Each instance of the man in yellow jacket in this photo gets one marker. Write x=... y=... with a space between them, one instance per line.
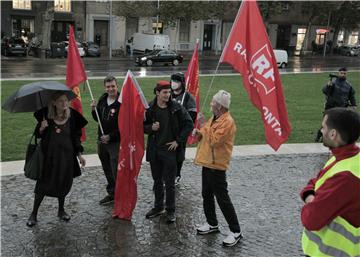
x=214 y=150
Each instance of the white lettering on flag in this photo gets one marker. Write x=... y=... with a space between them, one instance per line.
x=271 y=120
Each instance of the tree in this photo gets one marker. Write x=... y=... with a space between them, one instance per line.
x=48 y=18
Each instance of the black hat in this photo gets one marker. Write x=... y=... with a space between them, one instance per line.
x=343 y=69
x=178 y=77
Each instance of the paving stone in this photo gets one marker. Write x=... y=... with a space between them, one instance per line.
x=264 y=191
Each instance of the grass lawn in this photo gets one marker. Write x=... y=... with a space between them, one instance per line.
x=302 y=93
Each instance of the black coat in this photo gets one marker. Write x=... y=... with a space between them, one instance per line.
x=181 y=126
x=77 y=122
x=339 y=94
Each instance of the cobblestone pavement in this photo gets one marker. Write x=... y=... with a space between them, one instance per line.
x=264 y=190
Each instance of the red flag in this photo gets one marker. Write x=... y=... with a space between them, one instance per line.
x=130 y=120
x=75 y=74
x=192 y=85
x=249 y=51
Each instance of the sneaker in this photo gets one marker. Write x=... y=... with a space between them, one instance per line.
x=177 y=180
x=170 y=217
x=107 y=199
x=232 y=239
x=154 y=212
x=207 y=229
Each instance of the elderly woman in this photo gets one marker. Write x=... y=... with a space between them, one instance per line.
x=59 y=127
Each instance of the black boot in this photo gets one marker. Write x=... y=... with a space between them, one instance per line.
x=31 y=221
x=33 y=217
x=61 y=213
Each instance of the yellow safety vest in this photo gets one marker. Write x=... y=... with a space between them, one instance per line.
x=339 y=238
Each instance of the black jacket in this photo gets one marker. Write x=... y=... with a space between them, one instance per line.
x=109 y=118
x=340 y=94
x=181 y=125
x=189 y=103
x=77 y=122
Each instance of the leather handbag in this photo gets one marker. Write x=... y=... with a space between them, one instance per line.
x=34 y=159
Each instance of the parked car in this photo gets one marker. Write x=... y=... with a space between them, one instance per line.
x=80 y=48
x=161 y=56
x=13 y=46
x=349 y=50
x=91 y=49
x=281 y=57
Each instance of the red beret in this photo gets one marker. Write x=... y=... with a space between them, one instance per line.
x=162 y=84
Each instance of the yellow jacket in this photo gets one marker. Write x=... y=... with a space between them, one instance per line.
x=216 y=143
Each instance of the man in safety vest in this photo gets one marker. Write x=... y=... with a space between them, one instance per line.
x=331 y=214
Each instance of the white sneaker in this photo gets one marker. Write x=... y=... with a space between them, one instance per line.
x=207 y=229
x=232 y=239
x=177 y=180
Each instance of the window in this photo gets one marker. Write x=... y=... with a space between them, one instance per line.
x=22 y=27
x=353 y=38
x=300 y=38
x=184 y=31
x=22 y=4
x=62 y=5
x=157 y=27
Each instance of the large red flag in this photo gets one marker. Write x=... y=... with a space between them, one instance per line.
x=75 y=74
x=192 y=85
x=130 y=120
x=249 y=51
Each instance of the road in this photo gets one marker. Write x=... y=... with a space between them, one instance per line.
x=25 y=67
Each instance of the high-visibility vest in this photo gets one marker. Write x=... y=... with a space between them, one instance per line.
x=339 y=238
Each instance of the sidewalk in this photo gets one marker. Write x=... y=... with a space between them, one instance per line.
x=92 y=160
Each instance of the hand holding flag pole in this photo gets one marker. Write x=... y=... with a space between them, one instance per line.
x=96 y=111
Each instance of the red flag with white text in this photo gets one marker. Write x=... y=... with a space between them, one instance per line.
x=249 y=51
x=192 y=86
x=75 y=74
x=130 y=121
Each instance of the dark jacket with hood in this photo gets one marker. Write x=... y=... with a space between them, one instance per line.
x=339 y=94
x=181 y=126
x=77 y=122
x=109 y=118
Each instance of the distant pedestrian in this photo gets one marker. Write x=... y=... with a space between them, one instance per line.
x=108 y=108
x=59 y=127
x=213 y=154
x=339 y=93
x=186 y=99
x=331 y=213
x=98 y=39
x=168 y=125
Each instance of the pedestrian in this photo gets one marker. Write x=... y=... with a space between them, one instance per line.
x=59 y=128
x=168 y=125
x=186 y=99
x=339 y=93
x=108 y=108
x=214 y=150
x=98 y=39
x=331 y=213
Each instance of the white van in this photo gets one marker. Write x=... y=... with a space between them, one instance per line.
x=281 y=57
x=143 y=42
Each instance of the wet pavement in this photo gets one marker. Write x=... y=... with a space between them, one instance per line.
x=264 y=190
x=24 y=67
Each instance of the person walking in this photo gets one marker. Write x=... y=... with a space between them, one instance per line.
x=339 y=93
x=214 y=150
x=331 y=211
x=59 y=128
x=186 y=99
x=168 y=125
x=108 y=108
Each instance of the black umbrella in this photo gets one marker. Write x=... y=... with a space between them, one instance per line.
x=34 y=96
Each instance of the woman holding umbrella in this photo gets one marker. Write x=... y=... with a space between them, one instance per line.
x=59 y=127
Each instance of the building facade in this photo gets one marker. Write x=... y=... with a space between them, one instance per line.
x=98 y=21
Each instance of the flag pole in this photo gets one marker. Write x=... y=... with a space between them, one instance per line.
x=96 y=112
x=222 y=52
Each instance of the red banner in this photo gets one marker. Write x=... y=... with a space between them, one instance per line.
x=75 y=74
x=130 y=120
x=249 y=51
x=192 y=86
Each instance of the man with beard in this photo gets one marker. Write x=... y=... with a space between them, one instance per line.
x=331 y=214
x=339 y=93
x=168 y=125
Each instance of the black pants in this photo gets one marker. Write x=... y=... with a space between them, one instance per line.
x=214 y=184
x=108 y=155
x=178 y=168
x=163 y=170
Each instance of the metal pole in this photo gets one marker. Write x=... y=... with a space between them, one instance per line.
x=157 y=17
x=325 y=38
x=110 y=26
